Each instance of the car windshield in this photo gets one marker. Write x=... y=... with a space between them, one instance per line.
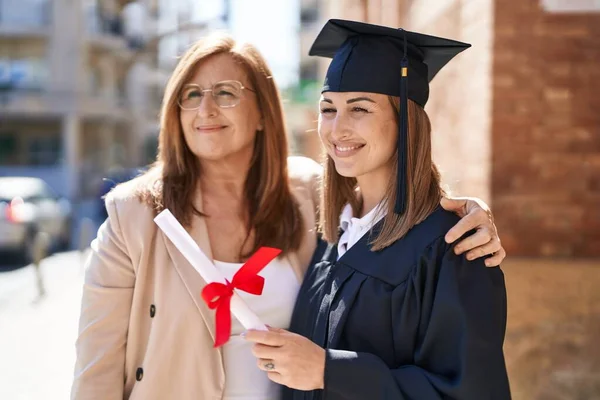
x=23 y=187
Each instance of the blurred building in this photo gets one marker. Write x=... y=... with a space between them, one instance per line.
x=301 y=100
x=75 y=90
x=515 y=118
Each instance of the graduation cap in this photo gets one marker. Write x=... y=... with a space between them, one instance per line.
x=379 y=59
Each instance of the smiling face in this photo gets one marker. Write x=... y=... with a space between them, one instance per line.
x=359 y=132
x=212 y=132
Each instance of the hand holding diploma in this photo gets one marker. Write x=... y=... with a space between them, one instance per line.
x=219 y=293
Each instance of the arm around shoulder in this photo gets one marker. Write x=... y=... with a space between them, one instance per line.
x=105 y=311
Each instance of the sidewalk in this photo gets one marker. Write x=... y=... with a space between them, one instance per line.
x=37 y=335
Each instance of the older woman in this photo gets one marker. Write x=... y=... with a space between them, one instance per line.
x=223 y=171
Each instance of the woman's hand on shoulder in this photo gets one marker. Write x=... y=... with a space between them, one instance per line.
x=475 y=215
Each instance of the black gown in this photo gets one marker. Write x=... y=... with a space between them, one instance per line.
x=413 y=321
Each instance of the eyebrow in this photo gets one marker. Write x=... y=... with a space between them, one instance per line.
x=353 y=100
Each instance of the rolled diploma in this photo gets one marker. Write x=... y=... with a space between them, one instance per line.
x=204 y=266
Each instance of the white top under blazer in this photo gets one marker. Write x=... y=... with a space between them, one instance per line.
x=243 y=379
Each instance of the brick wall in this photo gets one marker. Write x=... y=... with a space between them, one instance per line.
x=460 y=95
x=546 y=131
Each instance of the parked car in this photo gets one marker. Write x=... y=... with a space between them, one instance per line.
x=29 y=206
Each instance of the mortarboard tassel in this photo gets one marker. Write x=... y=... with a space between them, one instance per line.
x=401 y=191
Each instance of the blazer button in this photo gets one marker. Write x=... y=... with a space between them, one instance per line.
x=139 y=374
x=152 y=311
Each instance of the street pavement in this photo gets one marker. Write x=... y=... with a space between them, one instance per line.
x=37 y=334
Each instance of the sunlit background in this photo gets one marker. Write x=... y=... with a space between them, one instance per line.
x=516 y=121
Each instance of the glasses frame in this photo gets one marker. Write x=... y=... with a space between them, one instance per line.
x=242 y=87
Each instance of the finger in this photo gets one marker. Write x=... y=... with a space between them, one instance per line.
x=480 y=238
x=265 y=337
x=469 y=222
x=456 y=205
x=265 y=364
x=278 y=330
x=487 y=249
x=263 y=351
x=497 y=259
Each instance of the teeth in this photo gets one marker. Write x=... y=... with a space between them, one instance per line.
x=339 y=148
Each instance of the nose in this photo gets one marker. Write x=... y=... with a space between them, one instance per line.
x=208 y=108
x=339 y=127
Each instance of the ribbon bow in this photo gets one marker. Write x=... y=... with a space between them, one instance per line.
x=218 y=295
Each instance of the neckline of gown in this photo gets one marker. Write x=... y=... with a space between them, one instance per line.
x=361 y=258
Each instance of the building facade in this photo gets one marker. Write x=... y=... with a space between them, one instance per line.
x=74 y=90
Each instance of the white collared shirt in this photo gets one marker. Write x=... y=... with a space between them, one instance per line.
x=355 y=228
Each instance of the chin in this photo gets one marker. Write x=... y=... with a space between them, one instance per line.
x=347 y=171
x=212 y=155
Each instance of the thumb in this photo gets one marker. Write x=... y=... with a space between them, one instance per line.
x=455 y=205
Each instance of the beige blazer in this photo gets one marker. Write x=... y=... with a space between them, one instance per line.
x=144 y=332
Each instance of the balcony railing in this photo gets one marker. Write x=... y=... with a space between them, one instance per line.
x=31 y=102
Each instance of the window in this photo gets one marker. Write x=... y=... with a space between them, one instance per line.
x=22 y=73
x=309 y=15
x=44 y=150
x=31 y=13
x=4 y=73
x=150 y=150
x=8 y=148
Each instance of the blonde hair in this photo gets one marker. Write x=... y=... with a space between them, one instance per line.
x=423 y=179
x=274 y=218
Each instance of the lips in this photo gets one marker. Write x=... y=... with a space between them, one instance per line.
x=209 y=128
x=347 y=149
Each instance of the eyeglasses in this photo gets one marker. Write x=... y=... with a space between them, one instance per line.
x=226 y=94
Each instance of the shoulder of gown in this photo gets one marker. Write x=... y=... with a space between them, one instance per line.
x=424 y=243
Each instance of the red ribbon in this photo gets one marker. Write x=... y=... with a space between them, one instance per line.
x=218 y=295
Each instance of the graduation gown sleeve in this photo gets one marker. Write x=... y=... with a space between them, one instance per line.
x=460 y=309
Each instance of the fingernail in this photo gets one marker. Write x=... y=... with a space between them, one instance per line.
x=243 y=334
x=457 y=250
x=470 y=257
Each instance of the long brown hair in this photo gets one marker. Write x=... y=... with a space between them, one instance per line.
x=273 y=216
x=424 y=190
